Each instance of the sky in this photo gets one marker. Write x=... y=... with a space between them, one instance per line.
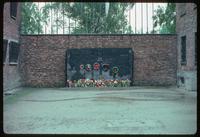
x=147 y=21
x=141 y=25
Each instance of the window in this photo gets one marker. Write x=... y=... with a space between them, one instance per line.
x=195 y=48
x=183 y=50
x=13 y=10
x=182 y=9
x=5 y=42
x=13 y=52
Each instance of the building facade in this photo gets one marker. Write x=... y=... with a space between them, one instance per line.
x=11 y=36
x=186 y=29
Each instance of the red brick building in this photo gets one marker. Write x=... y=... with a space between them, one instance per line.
x=186 y=29
x=11 y=27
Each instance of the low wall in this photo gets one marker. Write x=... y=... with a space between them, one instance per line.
x=42 y=57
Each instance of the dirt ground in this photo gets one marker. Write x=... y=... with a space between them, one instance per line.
x=143 y=110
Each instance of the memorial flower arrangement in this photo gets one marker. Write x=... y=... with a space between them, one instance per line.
x=88 y=67
x=98 y=83
x=96 y=66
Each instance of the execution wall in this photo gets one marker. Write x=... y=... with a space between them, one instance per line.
x=42 y=57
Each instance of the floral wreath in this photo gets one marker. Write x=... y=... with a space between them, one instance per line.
x=88 y=67
x=96 y=66
x=115 y=70
x=81 y=67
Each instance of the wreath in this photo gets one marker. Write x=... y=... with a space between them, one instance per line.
x=96 y=66
x=88 y=67
x=115 y=70
x=81 y=67
x=105 y=67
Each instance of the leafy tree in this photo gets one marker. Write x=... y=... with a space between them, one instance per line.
x=165 y=18
x=91 y=17
x=32 y=18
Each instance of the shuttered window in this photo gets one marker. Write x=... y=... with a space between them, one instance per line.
x=183 y=50
x=13 y=52
x=5 y=42
x=13 y=10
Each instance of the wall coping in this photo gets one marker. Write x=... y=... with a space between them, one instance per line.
x=98 y=34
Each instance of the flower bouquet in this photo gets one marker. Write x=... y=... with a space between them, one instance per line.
x=98 y=83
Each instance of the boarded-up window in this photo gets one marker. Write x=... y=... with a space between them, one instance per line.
x=13 y=9
x=5 y=42
x=13 y=52
x=183 y=50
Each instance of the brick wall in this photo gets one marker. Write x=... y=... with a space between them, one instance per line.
x=42 y=58
x=11 y=26
x=186 y=25
x=11 y=78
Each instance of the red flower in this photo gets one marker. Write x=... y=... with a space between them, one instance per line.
x=96 y=66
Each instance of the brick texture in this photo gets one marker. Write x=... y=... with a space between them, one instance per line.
x=42 y=58
x=11 y=78
x=186 y=25
x=11 y=26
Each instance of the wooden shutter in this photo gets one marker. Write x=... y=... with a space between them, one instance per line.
x=183 y=50
x=13 y=52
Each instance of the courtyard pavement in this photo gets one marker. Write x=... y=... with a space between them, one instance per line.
x=142 y=110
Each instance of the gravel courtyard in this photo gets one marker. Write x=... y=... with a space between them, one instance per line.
x=142 y=110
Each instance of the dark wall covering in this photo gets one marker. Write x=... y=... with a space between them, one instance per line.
x=105 y=63
x=42 y=58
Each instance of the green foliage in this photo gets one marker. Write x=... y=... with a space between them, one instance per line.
x=31 y=19
x=91 y=17
x=165 y=18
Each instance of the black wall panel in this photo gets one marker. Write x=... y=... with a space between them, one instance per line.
x=122 y=58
